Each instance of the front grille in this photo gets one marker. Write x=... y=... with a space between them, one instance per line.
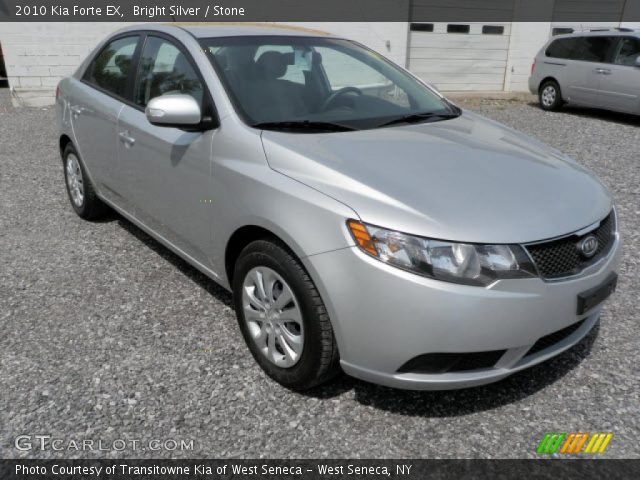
x=451 y=362
x=562 y=258
x=553 y=338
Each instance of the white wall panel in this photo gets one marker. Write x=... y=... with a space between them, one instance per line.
x=460 y=61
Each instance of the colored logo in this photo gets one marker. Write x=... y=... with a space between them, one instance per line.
x=574 y=443
x=588 y=246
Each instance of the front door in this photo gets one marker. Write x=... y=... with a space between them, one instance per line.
x=168 y=170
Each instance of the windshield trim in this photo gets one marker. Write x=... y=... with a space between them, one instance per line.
x=245 y=118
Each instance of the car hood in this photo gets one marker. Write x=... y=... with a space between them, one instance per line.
x=465 y=179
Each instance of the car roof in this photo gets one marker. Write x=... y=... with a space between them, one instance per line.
x=600 y=33
x=208 y=30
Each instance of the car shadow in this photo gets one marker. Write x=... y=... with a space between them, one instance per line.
x=599 y=114
x=185 y=268
x=446 y=403
x=454 y=403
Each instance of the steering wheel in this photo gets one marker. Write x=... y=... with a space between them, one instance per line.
x=331 y=98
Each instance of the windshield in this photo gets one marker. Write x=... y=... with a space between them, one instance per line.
x=323 y=84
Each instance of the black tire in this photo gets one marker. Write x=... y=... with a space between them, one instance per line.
x=91 y=207
x=319 y=360
x=550 y=96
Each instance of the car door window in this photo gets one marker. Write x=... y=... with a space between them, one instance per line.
x=561 y=48
x=592 y=49
x=627 y=51
x=164 y=69
x=110 y=69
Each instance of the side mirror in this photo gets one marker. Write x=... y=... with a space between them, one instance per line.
x=173 y=111
x=637 y=62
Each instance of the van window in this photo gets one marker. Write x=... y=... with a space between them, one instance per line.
x=586 y=49
x=627 y=51
x=592 y=49
x=561 y=48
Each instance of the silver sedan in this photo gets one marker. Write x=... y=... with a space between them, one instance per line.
x=361 y=220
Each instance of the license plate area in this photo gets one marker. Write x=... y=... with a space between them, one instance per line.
x=596 y=295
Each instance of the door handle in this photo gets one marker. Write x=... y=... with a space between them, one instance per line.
x=76 y=109
x=126 y=138
x=603 y=71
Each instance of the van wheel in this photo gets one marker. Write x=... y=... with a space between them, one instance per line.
x=550 y=96
x=83 y=197
x=282 y=317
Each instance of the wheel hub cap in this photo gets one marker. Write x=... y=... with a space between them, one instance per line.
x=273 y=316
x=74 y=180
x=548 y=96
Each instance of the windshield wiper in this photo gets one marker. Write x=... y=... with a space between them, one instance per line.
x=304 y=125
x=419 y=117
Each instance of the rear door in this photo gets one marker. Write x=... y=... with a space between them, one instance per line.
x=168 y=170
x=620 y=84
x=95 y=104
x=557 y=63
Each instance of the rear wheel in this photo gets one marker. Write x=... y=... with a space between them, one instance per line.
x=82 y=196
x=282 y=317
x=550 y=95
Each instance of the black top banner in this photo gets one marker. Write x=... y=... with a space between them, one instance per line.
x=319 y=10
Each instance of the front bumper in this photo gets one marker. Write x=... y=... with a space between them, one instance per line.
x=383 y=317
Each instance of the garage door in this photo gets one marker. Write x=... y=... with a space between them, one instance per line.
x=460 y=56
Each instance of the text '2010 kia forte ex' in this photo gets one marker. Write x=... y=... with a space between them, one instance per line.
x=360 y=219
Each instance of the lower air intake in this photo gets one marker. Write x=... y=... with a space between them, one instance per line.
x=451 y=362
x=553 y=338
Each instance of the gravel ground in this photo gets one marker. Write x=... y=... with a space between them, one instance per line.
x=107 y=335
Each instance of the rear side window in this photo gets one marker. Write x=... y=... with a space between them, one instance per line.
x=627 y=51
x=561 y=48
x=111 y=68
x=163 y=70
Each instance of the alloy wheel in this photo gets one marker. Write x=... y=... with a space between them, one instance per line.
x=273 y=316
x=74 y=180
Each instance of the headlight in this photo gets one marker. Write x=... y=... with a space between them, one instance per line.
x=466 y=263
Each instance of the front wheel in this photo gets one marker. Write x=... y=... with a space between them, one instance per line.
x=550 y=96
x=282 y=317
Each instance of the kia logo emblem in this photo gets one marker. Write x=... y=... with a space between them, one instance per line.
x=588 y=246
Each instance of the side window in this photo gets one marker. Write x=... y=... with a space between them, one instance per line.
x=561 y=48
x=111 y=68
x=627 y=51
x=592 y=49
x=163 y=70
